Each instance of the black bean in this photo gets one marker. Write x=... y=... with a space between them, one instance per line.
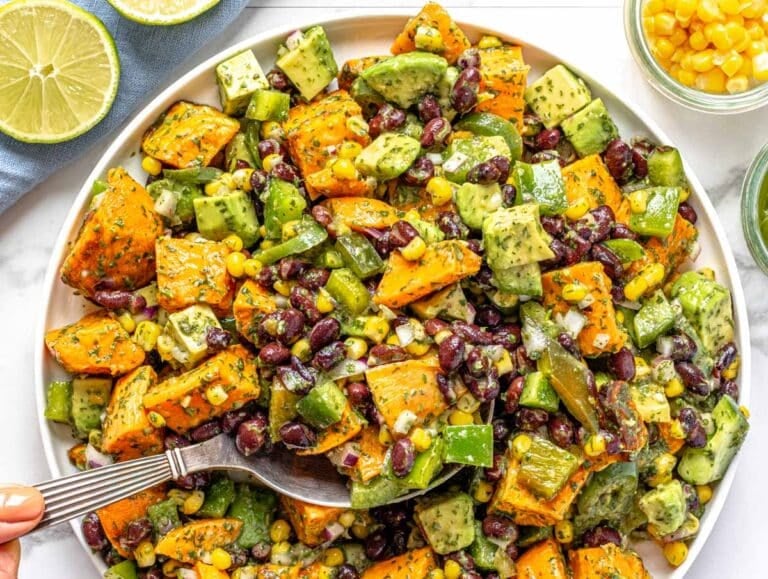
x=683 y=347
x=508 y=335
x=609 y=260
x=386 y=354
x=93 y=532
x=621 y=231
x=475 y=246
x=580 y=246
x=267 y=276
x=567 y=342
x=401 y=234
x=548 y=139
x=136 y=531
x=153 y=573
x=544 y=156
x=435 y=133
x=450 y=353
x=451 y=225
x=376 y=546
x=314 y=278
x=290 y=325
x=687 y=212
x=285 y=172
x=271 y=147
x=622 y=365
x=601 y=535
x=463 y=98
x=391 y=117
x=640 y=163
x=291 y=267
x=512 y=551
x=512 y=395
x=464 y=559
x=508 y=194
x=421 y=171
x=261 y=551
x=375 y=126
x=487 y=315
x=297 y=435
x=693 y=378
x=494 y=473
x=604 y=218
x=696 y=436
x=484 y=173
x=252 y=435
x=502 y=164
x=618 y=160
x=484 y=389
x=359 y=394
x=322 y=215
x=323 y=333
x=278 y=80
x=500 y=430
x=470 y=58
x=478 y=363
x=120 y=299
x=500 y=527
x=330 y=355
x=472 y=333
x=554 y=225
x=531 y=419
x=724 y=358
x=231 y=420
x=403 y=455
x=295 y=381
x=399 y=542
x=173 y=440
x=111 y=556
x=730 y=387
x=258 y=180
x=206 y=431
x=347 y=571
x=274 y=354
x=303 y=300
x=561 y=430
x=446 y=388
x=217 y=339
x=434 y=325
x=429 y=108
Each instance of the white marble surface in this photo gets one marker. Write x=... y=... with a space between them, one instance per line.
x=590 y=36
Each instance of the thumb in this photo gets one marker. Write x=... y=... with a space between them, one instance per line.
x=9 y=560
x=21 y=508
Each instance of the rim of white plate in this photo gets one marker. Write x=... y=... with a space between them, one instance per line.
x=159 y=103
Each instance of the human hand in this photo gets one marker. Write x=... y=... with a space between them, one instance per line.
x=21 y=508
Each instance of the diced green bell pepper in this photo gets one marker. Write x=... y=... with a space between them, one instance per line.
x=426 y=466
x=540 y=183
x=654 y=319
x=252 y=132
x=123 y=570
x=330 y=259
x=378 y=491
x=359 y=255
x=284 y=203
x=627 y=250
x=219 y=497
x=538 y=393
x=532 y=535
x=237 y=150
x=195 y=175
x=58 y=405
x=488 y=125
x=658 y=219
x=470 y=444
x=482 y=550
x=309 y=235
x=99 y=186
x=347 y=289
x=164 y=517
x=545 y=467
x=255 y=508
x=665 y=168
x=323 y=406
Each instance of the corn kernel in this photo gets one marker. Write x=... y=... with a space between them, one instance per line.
x=745 y=411
x=252 y=267
x=720 y=38
x=436 y=574
x=487 y=41
x=676 y=553
x=281 y=548
x=216 y=395
x=703 y=61
x=698 y=41
x=649 y=31
x=146 y=335
x=754 y=9
x=333 y=557
x=385 y=437
x=442 y=335
x=156 y=419
x=483 y=491
x=664 y=465
x=635 y=288
x=272 y=130
x=440 y=191
x=642 y=369
x=732 y=371
x=521 y=444
x=638 y=201
x=302 y=350
x=170 y=567
x=375 y=328
x=227 y=180
x=664 y=23
x=663 y=49
x=574 y=292
x=452 y=569
x=653 y=274
x=144 y=554
x=708 y=11
x=349 y=150
x=193 y=502
x=729 y=6
x=564 y=532
x=652 y=7
x=684 y=9
x=356 y=348
x=233 y=242
x=678 y=37
x=282 y=287
x=676 y=430
x=418 y=349
x=392 y=340
x=279 y=531
x=235 y=264
x=686 y=77
x=347 y=519
x=732 y=65
x=460 y=418
x=421 y=439
x=674 y=388
x=242 y=179
x=414 y=250
x=269 y=162
x=595 y=445
x=221 y=559
x=577 y=208
x=324 y=302
x=360 y=530
x=152 y=166
x=126 y=320
x=504 y=364
x=707 y=272
x=712 y=81
x=178 y=496
x=760 y=66
x=344 y=169
x=755 y=31
x=704 y=493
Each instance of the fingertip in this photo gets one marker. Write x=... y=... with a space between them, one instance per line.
x=10 y=554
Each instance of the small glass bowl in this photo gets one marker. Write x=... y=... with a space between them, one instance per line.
x=757 y=176
x=670 y=87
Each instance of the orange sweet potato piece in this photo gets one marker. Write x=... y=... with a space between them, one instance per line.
x=372 y=455
x=357 y=213
x=514 y=499
x=189 y=135
x=542 y=561
x=209 y=571
x=192 y=272
x=325 y=183
x=442 y=264
x=407 y=199
x=673 y=444
x=415 y=564
x=601 y=333
x=116 y=517
x=504 y=77
x=192 y=541
x=606 y=561
x=127 y=431
x=116 y=240
x=351 y=69
x=252 y=303
x=409 y=385
x=589 y=178
x=434 y=16
x=182 y=401
x=671 y=251
x=96 y=344
x=337 y=434
x=309 y=521
x=272 y=571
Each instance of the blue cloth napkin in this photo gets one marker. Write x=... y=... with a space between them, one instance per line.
x=147 y=55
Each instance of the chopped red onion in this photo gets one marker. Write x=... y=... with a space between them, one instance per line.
x=333 y=532
x=96 y=459
x=347 y=368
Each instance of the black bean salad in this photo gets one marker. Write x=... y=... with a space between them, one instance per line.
x=418 y=261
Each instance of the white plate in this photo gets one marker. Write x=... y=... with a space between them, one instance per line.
x=355 y=37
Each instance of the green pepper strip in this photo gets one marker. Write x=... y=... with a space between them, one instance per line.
x=310 y=235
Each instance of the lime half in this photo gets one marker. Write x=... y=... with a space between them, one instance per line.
x=162 y=12
x=59 y=70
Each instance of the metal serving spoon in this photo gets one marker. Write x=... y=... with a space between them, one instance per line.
x=311 y=479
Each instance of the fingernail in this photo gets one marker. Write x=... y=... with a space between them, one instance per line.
x=19 y=503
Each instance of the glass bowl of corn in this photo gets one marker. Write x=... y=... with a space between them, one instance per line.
x=708 y=55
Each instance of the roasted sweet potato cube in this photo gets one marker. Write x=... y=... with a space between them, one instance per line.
x=671 y=251
x=116 y=242
x=193 y=272
x=189 y=135
x=407 y=386
x=606 y=561
x=415 y=564
x=309 y=521
x=589 y=178
x=252 y=303
x=337 y=434
x=96 y=344
x=357 y=213
x=372 y=454
x=433 y=16
x=195 y=540
x=197 y=396
x=127 y=431
x=543 y=560
x=324 y=183
x=116 y=517
x=504 y=75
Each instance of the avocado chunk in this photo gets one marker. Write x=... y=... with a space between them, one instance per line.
x=236 y=151
x=178 y=199
x=224 y=214
x=651 y=402
x=368 y=99
x=238 y=78
x=658 y=218
x=475 y=202
x=539 y=393
x=514 y=236
x=665 y=507
x=449 y=303
x=627 y=250
x=284 y=203
x=540 y=183
x=405 y=78
x=504 y=300
x=489 y=125
x=123 y=570
x=483 y=551
x=546 y=467
x=556 y=95
x=90 y=397
x=323 y=406
x=378 y=491
x=428 y=231
x=707 y=305
x=58 y=404
x=447 y=522
x=388 y=156
x=164 y=515
x=268 y=105
x=591 y=129
x=654 y=319
x=347 y=289
x=185 y=334
x=520 y=280
x=426 y=466
x=665 y=168
x=470 y=444
x=463 y=154
x=700 y=466
x=310 y=65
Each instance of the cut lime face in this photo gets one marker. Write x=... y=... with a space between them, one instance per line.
x=59 y=70
x=162 y=12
